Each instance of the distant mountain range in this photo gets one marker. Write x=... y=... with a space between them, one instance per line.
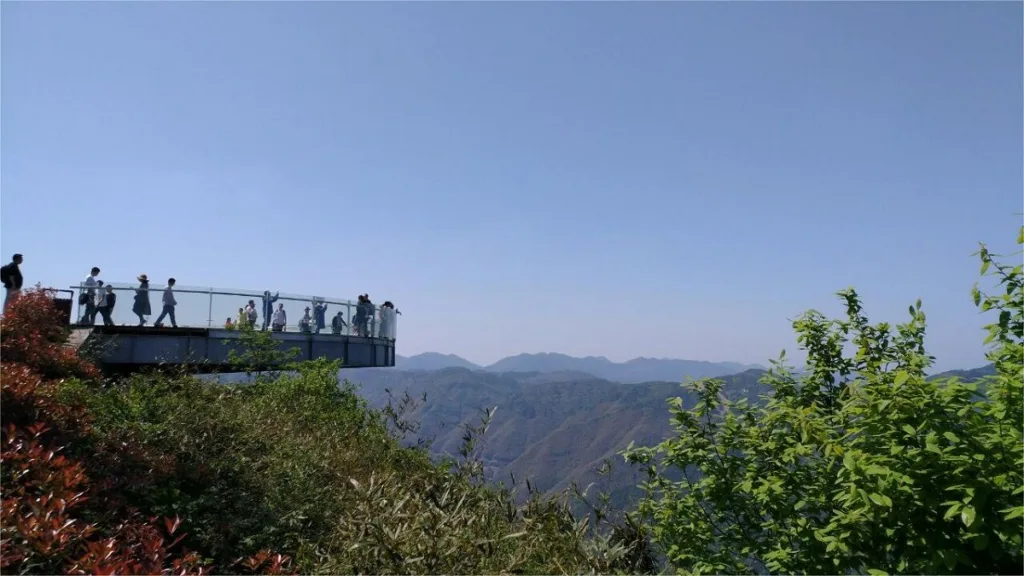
x=550 y=427
x=557 y=423
x=633 y=371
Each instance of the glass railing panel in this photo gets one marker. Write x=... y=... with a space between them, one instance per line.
x=135 y=306
x=287 y=308
x=198 y=307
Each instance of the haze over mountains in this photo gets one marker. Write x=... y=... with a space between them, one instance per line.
x=633 y=371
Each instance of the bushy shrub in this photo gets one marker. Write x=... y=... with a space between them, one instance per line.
x=63 y=508
x=860 y=465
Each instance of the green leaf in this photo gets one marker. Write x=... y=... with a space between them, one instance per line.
x=896 y=449
x=877 y=572
x=881 y=500
x=952 y=511
x=984 y=266
x=1020 y=236
x=976 y=294
x=951 y=437
x=909 y=429
x=901 y=377
x=967 y=515
x=849 y=461
x=1015 y=512
x=799 y=505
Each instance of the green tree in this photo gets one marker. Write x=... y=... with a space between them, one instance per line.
x=861 y=464
x=259 y=353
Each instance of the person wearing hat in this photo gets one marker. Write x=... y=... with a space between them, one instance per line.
x=305 y=322
x=141 y=307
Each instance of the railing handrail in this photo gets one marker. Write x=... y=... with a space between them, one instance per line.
x=216 y=292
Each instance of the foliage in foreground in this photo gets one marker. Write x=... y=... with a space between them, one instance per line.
x=164 y=473
x=63 y=509
x=860 y=465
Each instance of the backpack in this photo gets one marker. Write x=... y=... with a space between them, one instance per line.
x=5 y=274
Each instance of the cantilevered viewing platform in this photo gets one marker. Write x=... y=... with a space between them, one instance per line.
x=359 y=337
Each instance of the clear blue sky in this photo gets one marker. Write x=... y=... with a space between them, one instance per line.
x=619 y=179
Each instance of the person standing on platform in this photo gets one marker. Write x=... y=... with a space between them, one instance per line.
x=319 y=315
x=12 y=279
x=141 y=306
x=268 y=307
x=106 y=305
x=88 y=297
x=251 y=314
x=305 y=322
x=280 y=319
x=338 y=323
x=169 y=304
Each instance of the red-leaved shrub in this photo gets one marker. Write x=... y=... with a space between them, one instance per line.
x=32 y=333
x=62 y=513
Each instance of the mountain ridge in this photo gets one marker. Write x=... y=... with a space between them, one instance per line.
x=634 y=371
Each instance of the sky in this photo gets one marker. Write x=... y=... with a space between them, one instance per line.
x=619 y=179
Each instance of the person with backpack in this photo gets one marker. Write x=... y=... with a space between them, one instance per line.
x=88 y=297
x=12 y=279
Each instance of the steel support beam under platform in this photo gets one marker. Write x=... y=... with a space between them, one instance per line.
x=126 y=349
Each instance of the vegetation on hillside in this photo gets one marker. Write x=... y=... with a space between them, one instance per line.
x=862 y=464
x=168 y=473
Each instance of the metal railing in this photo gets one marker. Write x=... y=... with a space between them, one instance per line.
x=195 y=307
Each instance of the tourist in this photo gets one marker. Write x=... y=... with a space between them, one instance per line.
x=251 y=314
x=280 y=321
x=305 y=322
x=268 y=307
x=320 y=314
x=88 y=297
x=141 y=307
x=106 y=305
x=338 y=323
x=12 y=279
x=169 y=304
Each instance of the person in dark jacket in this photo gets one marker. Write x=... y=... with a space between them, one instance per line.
x=338 y=323
x=268 y=307
x=106 y=306
x=12 y=279
x=369 y=323
x=319 y=315
x=141 y=307
x=361 y=318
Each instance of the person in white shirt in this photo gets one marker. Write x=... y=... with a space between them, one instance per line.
x=280 y=319
x=169 y=304
x=251 y=313
x=101 y=297
x=88 y=297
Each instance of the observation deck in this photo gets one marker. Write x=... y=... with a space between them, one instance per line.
x=203 y=339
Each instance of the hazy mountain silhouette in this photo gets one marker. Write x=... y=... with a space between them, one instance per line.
x=433 y=361
x=633 y=371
